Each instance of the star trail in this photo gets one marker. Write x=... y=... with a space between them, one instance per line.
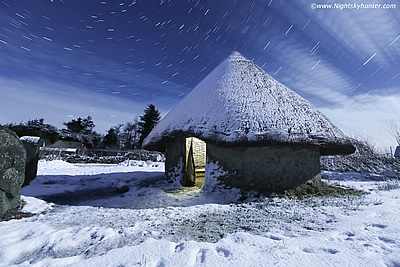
x=109 y=59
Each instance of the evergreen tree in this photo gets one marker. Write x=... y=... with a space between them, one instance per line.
x=81 y=130
x=35 y=122
x=80 y=125
x=147 y=122
x=88 y=125
x=111 y=138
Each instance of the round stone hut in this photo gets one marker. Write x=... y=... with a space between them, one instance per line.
x=240 y=127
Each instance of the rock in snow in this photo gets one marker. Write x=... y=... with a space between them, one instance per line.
x=12 y=169
x=122 y=187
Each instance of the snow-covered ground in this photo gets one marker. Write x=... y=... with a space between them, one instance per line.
x=83 y=221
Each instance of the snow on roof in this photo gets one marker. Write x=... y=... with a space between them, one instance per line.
x=30 y=139
x=239 y=103
x=74 y=150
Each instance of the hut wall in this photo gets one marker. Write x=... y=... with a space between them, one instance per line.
x=397 y=152
x=174 y=162
x=264 y=169
x=199 y=151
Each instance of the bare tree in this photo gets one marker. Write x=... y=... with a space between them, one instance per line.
x=395 y=131
x=118 y=132
x=130 y=132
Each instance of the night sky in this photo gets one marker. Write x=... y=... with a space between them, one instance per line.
x=61 y=59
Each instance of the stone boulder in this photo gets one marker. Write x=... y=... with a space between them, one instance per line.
x=122 y=187
x=12 y=169
x=31 y=144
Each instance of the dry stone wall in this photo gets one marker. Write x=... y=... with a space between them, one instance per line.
x=199 y=151
x=265 y=169
x=31 y=145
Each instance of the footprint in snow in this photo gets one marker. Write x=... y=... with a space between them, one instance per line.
x=276 y=238
x=161 y=263
x=309 y=250
x=179 y=247
x=330 y=250
x=349 y=235
x=377 y=225
x=386 y=240
x=327 y=250
x=223 y=252
x=201 y=256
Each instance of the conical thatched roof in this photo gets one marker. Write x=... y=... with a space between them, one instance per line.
x=240 y=104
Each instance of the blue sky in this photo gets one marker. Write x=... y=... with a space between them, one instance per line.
x=109 y=59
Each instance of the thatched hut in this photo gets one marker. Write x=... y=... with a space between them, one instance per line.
x=242 y=128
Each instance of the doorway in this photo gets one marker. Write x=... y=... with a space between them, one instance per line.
x=195 y=164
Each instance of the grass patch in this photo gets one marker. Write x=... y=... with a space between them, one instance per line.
x=22 y=203
x=323 y=190
x=16 y=213
x=389 y=184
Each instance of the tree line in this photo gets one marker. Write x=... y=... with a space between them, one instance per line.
x=122 y=136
